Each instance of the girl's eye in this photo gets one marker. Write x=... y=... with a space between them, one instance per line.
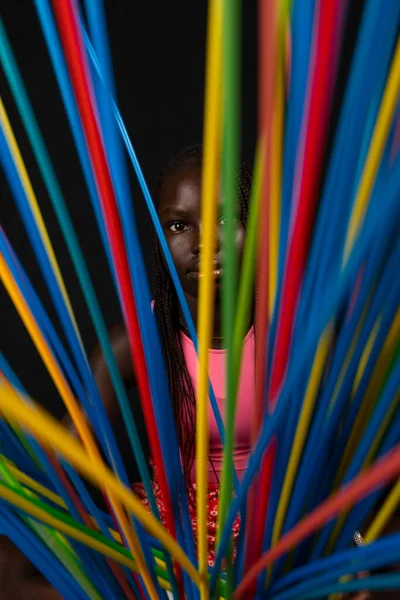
x=178 y=227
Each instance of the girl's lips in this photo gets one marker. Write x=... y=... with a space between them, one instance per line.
x=196 y=275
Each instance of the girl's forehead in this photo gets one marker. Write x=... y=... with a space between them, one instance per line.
x=181 y=190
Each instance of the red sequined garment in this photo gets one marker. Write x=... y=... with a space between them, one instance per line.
x=213 y=503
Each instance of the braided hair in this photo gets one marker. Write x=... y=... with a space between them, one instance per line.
x=166 y=306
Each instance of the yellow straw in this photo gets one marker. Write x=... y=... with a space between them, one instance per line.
x=302 y=429
x=52 y=434
x=379 y=137
x=212 y=133
x=277 y=152
x=365 y=355
x=33 y=203
x=384 y=515
x=353 y=439
x=73 y=408
x=383 y=427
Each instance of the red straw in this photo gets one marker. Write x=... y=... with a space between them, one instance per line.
x=65 y=11
x=309 y=171
x=382 y=472
x=267 y=52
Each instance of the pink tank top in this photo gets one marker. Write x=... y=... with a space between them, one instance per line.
x=245 y=402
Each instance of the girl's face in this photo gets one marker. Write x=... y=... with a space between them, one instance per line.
x=19 y=579
x=179 y=210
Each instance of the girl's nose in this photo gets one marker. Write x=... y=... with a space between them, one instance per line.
x=196 y=243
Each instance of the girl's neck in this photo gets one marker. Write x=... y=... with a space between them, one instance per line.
x=217 y=338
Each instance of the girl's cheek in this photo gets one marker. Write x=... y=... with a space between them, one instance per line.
x=172 y=247
x=177 y=252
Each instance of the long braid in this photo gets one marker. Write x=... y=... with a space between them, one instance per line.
x=166 y=308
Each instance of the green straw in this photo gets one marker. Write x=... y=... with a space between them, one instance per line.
x=230 y=172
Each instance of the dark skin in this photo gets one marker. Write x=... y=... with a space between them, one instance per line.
x=19 y=578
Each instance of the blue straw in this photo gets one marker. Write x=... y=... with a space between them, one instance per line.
x=355 y=563
x=379 y=553
x=377 y=582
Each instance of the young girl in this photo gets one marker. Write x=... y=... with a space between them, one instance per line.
x=178 y=200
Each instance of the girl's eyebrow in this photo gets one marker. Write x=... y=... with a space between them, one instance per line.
x=177 y=212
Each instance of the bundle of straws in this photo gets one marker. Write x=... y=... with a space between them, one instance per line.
x=322 y=252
